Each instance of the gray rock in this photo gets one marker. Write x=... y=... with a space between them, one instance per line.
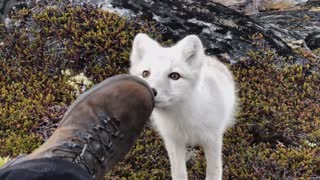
x=224 y=32
x=313 y=40
x=291 y=26
x=5 y=6
x=250 y=7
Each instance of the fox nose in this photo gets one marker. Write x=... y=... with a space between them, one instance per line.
x=154 y=92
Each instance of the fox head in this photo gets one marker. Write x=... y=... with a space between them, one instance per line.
x=172 y=72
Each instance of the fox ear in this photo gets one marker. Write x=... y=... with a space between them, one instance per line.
x=191 y=47
x=141 y=44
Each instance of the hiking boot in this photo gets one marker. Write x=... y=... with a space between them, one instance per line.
x=101 y=126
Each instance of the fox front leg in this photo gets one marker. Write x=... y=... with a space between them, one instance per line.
x=213 y=154
x=177 y=156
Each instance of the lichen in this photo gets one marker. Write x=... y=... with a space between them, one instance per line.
x=4 y=160
x=80 y=83
x=315 y=9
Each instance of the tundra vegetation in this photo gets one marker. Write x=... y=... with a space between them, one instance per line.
x=50 y=55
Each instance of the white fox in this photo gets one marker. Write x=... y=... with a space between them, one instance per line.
x=195 y=99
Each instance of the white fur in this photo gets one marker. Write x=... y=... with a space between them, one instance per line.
x=193 y=110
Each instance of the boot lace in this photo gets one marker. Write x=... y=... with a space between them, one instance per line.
x=91 y=148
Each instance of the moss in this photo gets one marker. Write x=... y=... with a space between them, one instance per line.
x=148 y=152
x=277 y=132
x=26 y=98
x=279 y=114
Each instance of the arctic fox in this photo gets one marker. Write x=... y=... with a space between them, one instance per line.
x=195 y=99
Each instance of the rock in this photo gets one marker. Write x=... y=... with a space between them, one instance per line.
x=292 y=26
x=250 y=7
x=313 y=40
x=224 y=31
x=5 y=6
x=191 y=156
x=264 y=5
x=313 y=3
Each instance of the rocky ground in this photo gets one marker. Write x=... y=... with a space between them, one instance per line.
x=51 y=52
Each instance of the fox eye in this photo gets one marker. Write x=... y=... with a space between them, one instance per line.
x=174 y=76
x=145 y=74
